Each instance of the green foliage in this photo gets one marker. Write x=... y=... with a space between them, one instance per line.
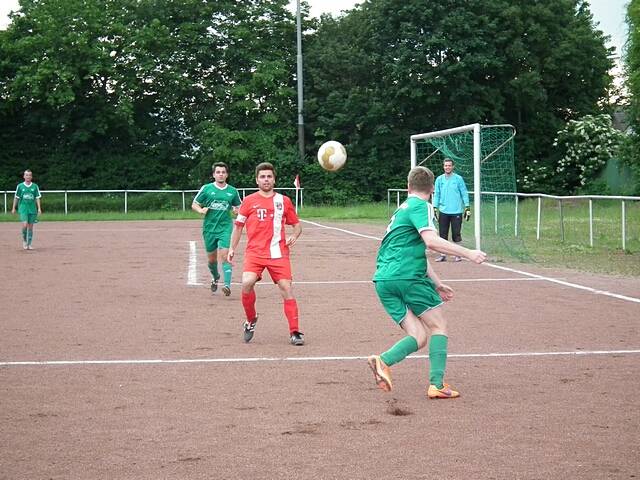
x=141 y=93
x=407 y=67
x=586 y=145
x=630 y=155
x=114 y=94
x=631 y=147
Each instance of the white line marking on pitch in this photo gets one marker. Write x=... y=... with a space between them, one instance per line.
x=513 y=270
x=359 y=282
x=306 y=359
x=567 y=284
x=192 y=271
x=342 y=230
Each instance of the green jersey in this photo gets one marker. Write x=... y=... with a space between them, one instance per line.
x=27 y=196
x=402 y=254
x=219 y=201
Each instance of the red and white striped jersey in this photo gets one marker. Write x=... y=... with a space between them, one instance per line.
x=265 y=219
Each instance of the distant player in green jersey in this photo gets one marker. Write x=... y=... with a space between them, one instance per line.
x=27 y=199
x=408 y=288
x=216 y=201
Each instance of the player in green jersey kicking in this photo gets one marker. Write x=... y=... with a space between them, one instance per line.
x=410 y=291
x=216 y=201
x=27 y=199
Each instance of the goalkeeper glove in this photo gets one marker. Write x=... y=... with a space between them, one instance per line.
x=467 y=214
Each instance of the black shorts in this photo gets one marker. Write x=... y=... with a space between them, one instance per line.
x=446 y=219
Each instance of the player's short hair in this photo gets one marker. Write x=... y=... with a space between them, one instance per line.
x=27 y=170
x=448 y=160
x=265 y=166
x=220 y=164
x=420 y=179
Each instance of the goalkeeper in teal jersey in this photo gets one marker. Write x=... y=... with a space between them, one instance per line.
x=216 y=201
x=27 y=199
x=410 y=291
x=451 y=203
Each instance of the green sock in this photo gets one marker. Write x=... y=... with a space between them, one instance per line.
x=400 y=350
x=437 y=359
x=24 y=234
x=29 y=236
x=226 y=271
x=213 y=268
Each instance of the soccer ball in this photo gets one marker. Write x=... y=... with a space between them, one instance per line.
x=332 y=155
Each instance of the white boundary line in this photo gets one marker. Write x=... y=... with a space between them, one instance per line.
x=567 y=284
x=513 y=270
x=308 y=359
x=192 y=270
x=342 y=230
x=267 y=283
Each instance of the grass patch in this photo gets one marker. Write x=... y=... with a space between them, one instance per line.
x=368 y=211
x=562 y=244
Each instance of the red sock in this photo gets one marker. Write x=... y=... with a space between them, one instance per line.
x=291 y=312
x=249 y=305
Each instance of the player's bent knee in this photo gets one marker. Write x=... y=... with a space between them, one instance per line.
x=286 y=289
x=249 y=279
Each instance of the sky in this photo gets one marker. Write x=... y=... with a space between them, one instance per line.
x=608 y=13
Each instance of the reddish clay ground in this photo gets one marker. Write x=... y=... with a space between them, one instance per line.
x=118 y=291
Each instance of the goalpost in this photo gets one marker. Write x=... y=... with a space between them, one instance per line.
x=483 y=156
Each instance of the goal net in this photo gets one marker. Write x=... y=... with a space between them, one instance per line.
x=484 y=156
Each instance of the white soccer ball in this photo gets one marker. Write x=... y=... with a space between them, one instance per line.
x=332 y=155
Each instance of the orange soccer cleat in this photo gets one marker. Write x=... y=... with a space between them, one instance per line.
x=445 y=392
x=381 y=372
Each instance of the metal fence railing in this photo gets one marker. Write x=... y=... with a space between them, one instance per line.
x=583 y=219
x=122 y=199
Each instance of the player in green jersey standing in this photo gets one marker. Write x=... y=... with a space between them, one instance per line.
x=216 y=201
x=27 y=199
x=410 y=291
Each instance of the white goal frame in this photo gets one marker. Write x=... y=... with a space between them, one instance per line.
x=477 y=197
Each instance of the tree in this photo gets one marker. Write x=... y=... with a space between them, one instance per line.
x=391 y=68
x=631 y=149
x=126 y=93
x=141 y=93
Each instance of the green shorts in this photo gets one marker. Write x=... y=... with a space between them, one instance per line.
x=30 y=218
x=398 y=296
x=216 y=241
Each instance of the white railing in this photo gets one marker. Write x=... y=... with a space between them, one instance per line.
x=9 y=194
x=562 y=200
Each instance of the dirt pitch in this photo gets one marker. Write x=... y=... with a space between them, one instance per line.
x=116 y=362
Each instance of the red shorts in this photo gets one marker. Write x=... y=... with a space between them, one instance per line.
x=278 y=268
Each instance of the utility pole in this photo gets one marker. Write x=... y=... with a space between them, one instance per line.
x=300 y=83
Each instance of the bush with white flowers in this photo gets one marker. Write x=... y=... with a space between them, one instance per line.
x=586 y=145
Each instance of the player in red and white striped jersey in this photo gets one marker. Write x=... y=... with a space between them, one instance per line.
x=265 y=215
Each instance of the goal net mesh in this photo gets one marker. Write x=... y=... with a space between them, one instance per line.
x=497 y=175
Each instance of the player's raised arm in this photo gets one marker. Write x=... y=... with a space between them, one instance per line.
x=434 y=242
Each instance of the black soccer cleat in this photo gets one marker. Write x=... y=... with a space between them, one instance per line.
x=249 y=328
x=297 y=339
x=214 y=285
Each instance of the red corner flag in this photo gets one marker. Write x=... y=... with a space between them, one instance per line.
x=296 y=182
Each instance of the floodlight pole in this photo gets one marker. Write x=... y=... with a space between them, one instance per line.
x=300 y=82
